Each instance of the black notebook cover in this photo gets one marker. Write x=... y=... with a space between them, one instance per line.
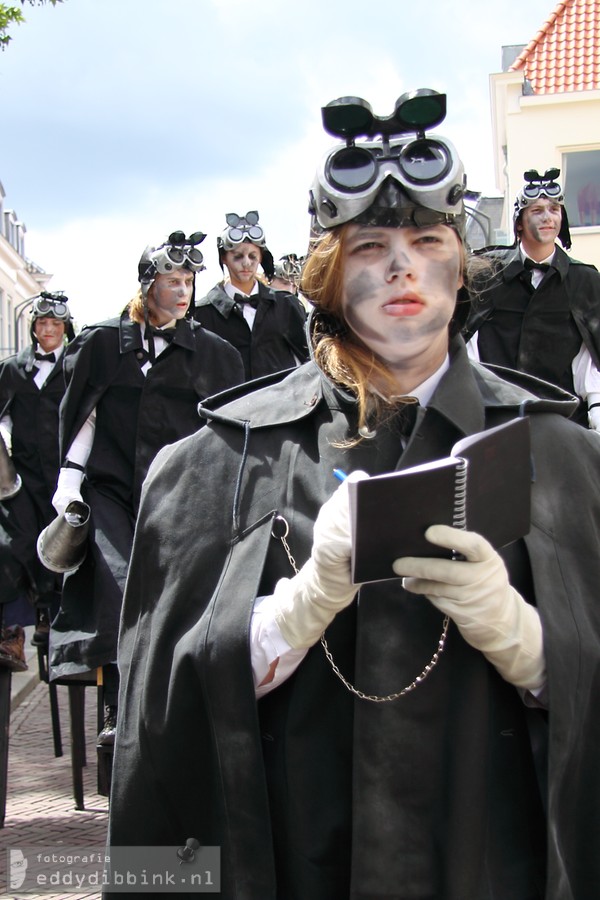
x=390 y=513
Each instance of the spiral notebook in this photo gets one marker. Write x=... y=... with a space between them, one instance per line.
x=484 y=486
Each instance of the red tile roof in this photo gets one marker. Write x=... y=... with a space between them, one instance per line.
x=564 y=55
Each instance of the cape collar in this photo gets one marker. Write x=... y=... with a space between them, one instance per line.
x=462 y=396
x=514 y=265
x=224 y=304
x=26 y=360
x=130 y=335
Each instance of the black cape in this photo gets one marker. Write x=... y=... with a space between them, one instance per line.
x=541 y=332
x=277 y=340
x=136 y=415
x=35 y=413
x=309 y=793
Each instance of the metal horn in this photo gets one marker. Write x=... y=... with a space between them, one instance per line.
x=10 y=480
x=62 y=545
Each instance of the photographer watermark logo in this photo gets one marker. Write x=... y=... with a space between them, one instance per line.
x=189 y=868
x=17 y=869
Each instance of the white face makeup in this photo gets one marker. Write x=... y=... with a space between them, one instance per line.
x=242 y=263
x=539 y=226
x=170 y=295
x=49 y=333
x=399 y=295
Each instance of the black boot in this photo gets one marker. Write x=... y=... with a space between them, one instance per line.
x=106 y=738
x=42 y=627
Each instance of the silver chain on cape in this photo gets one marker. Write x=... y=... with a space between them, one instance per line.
x=373 y=698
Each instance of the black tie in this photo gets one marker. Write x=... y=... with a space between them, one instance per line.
x=529 y=267
x=167 y=334
x=46 y=357
x=405 y=421
x=531 y=264
x=240 y=299
x=401 y=421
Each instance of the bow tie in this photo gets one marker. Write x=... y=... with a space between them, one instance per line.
x=252 y=300
x=167 y=334
x=46 y=357
x=531 y=264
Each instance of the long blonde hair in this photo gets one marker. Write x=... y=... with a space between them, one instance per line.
x=137 y=307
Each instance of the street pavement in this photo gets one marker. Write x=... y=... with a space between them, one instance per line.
x=40 y=809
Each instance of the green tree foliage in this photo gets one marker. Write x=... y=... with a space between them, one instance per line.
x=12 y=15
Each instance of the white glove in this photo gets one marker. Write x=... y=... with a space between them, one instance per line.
x=68 y=487
x=594 y=418
x=306 y=604
x=476 y=594
x=6 y=435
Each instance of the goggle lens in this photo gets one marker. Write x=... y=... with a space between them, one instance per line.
x=175 y=254
x=352 y=169
x=252 y=217
x=424 y=162
x=421 y=162
x=253 y=233
x=56 y=307
x=195 y=256
x=177 y=237
x=549 y=190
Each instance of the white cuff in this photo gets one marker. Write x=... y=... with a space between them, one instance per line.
x=268 y=646
x=81 y=447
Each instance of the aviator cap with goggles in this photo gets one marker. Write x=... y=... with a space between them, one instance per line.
x=177 y=252
x=289 y=267
x=404 y=178
x=545 y=186
x=240 y=229
x=245 y=228
x=51 y=306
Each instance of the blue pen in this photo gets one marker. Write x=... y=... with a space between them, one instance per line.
x=339 y=474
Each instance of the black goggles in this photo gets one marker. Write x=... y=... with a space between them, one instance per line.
x=52 y=307
x=421 y=162
x=179 y=248
x=243 y=228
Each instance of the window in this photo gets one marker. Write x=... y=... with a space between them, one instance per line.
x=9 y=322
x=581 y=174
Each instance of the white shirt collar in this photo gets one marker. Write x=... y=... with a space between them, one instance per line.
x=525 y=256
x=425 y=391
x=231 y=291
x=58 y=352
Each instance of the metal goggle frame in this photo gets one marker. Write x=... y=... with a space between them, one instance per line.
x=50 y=305
x=540 y=186
x=242 y=228
x=428 y=169
x=177 y=252
x=289 y=267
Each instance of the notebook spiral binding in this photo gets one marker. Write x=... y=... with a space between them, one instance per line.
x=459 y=518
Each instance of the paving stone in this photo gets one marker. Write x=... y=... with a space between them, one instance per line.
x=40 y=809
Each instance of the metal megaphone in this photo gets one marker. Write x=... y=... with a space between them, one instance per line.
x=62 y=545
x=10 y=480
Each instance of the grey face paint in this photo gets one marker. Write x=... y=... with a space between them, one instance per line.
x=365 y=287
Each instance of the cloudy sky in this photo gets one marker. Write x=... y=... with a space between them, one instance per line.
x=123 y=120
